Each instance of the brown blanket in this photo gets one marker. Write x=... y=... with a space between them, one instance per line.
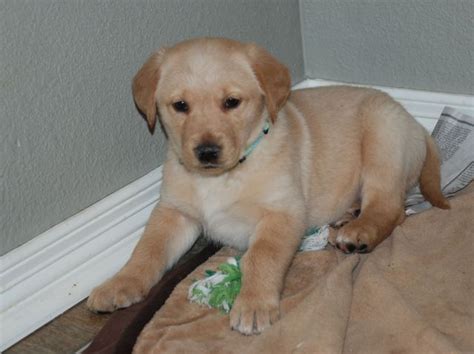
x=414 y=293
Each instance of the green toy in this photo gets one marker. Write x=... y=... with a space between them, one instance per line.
x=219 y=289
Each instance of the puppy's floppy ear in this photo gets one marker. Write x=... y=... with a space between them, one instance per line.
x=274 y=78
x=144 y=86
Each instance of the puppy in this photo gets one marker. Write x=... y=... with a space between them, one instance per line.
x=252 y=166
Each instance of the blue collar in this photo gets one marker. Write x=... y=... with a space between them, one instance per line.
x=253 y=145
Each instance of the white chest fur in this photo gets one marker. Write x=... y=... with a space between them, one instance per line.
x=223 y=212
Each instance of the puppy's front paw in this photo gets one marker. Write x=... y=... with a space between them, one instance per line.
x=356 y=237
x=252 y=314
x=116 y=293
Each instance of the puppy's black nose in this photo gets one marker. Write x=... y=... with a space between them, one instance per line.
x=207 y=153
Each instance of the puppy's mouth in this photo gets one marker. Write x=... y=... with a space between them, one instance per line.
x=210 y=166
x=212 y=169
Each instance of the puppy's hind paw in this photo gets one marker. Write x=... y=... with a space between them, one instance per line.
x=355 y=237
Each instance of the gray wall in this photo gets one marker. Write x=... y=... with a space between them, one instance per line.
x=69 y=133
x=419 y=44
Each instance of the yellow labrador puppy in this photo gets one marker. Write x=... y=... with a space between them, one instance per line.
x=252 y=166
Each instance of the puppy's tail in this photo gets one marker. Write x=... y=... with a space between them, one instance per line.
x=430 y=178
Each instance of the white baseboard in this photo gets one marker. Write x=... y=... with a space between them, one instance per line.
x=425 y=106
x=59 y=268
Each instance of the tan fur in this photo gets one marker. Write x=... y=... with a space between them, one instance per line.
x=430 y=177
x=144 y=86
x=326 y=149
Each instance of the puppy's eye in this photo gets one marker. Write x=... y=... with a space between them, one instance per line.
x=180 y=106
x=231 y=103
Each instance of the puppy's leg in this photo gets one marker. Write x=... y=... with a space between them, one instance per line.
x=264 y=267
x=392 y=149
x=381 y=212
x=167 y=236
x=382 y=193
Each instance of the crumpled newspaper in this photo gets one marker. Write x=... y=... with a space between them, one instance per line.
x=454 y=135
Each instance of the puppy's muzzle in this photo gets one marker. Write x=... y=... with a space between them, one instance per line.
x=208 y=154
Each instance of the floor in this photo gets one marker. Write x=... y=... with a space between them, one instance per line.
x=74 y=329
x=67 y=333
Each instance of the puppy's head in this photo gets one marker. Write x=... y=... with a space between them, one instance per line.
x=211 y=96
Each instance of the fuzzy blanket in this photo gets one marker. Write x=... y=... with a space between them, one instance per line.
x=414 y=293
